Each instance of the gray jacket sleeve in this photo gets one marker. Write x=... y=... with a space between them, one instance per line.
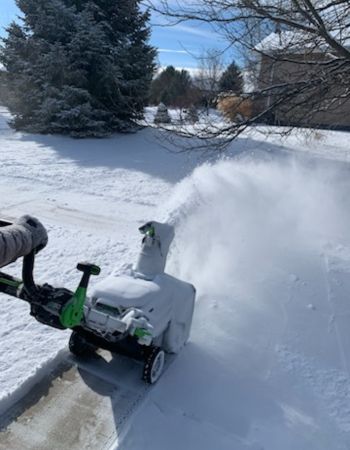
x=20 y=238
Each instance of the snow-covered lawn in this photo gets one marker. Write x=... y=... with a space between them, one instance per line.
x=263 y=234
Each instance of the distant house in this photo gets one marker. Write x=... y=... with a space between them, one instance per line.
x=287 y=58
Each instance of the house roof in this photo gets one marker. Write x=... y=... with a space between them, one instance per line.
x=298 y=41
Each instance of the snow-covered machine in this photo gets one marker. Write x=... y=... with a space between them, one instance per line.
x=143 y=312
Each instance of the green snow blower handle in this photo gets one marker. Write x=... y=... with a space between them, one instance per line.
x=56 y=307
x=72 y=314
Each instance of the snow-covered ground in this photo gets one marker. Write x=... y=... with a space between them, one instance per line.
x=92 y=195
x=263 y=234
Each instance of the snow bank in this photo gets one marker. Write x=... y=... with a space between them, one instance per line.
x=33 y=377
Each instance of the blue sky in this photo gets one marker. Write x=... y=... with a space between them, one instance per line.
x=178 y=45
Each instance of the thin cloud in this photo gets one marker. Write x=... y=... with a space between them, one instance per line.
x=196 y=31
x=169 y=50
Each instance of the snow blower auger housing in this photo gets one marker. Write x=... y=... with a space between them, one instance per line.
x=142 y=313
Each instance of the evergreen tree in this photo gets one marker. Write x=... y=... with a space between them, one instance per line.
x=231 y=79
x=78 y=67
x=173 y=88
x=126 y=31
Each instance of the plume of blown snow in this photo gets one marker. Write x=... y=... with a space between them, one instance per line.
x=242 y=221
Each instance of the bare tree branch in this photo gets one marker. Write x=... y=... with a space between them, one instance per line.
x=298 y=54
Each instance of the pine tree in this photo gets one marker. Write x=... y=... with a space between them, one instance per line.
x=173 y=88
x=231 y=79
x=125 y=90
x=78 y=67
x=27 y=57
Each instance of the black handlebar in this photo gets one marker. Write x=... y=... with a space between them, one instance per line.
x=27 y=274
x=88 y=269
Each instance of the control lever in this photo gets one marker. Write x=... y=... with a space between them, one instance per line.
x=73 y=312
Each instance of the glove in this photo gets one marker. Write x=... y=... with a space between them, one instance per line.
x=37 y=230
x=20 y=238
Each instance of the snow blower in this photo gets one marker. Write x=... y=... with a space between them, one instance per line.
x=142 y=313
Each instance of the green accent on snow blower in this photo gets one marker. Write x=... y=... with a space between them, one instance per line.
x=73 y=312
x=15 y=284
x=141 y=332
x=151 y=232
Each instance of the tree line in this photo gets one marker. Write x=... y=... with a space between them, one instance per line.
x=86 y=68
x=177 y=88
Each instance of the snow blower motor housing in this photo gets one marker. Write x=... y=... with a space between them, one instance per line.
x=142 y=313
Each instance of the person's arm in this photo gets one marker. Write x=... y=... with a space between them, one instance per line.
x=20 y=238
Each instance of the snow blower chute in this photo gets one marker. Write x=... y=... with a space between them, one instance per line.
x=142 y=313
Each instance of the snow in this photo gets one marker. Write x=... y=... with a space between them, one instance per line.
x=92 y=200
x=263 y=235
x=259 y=371
x=294 y=41
x=299 y=41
